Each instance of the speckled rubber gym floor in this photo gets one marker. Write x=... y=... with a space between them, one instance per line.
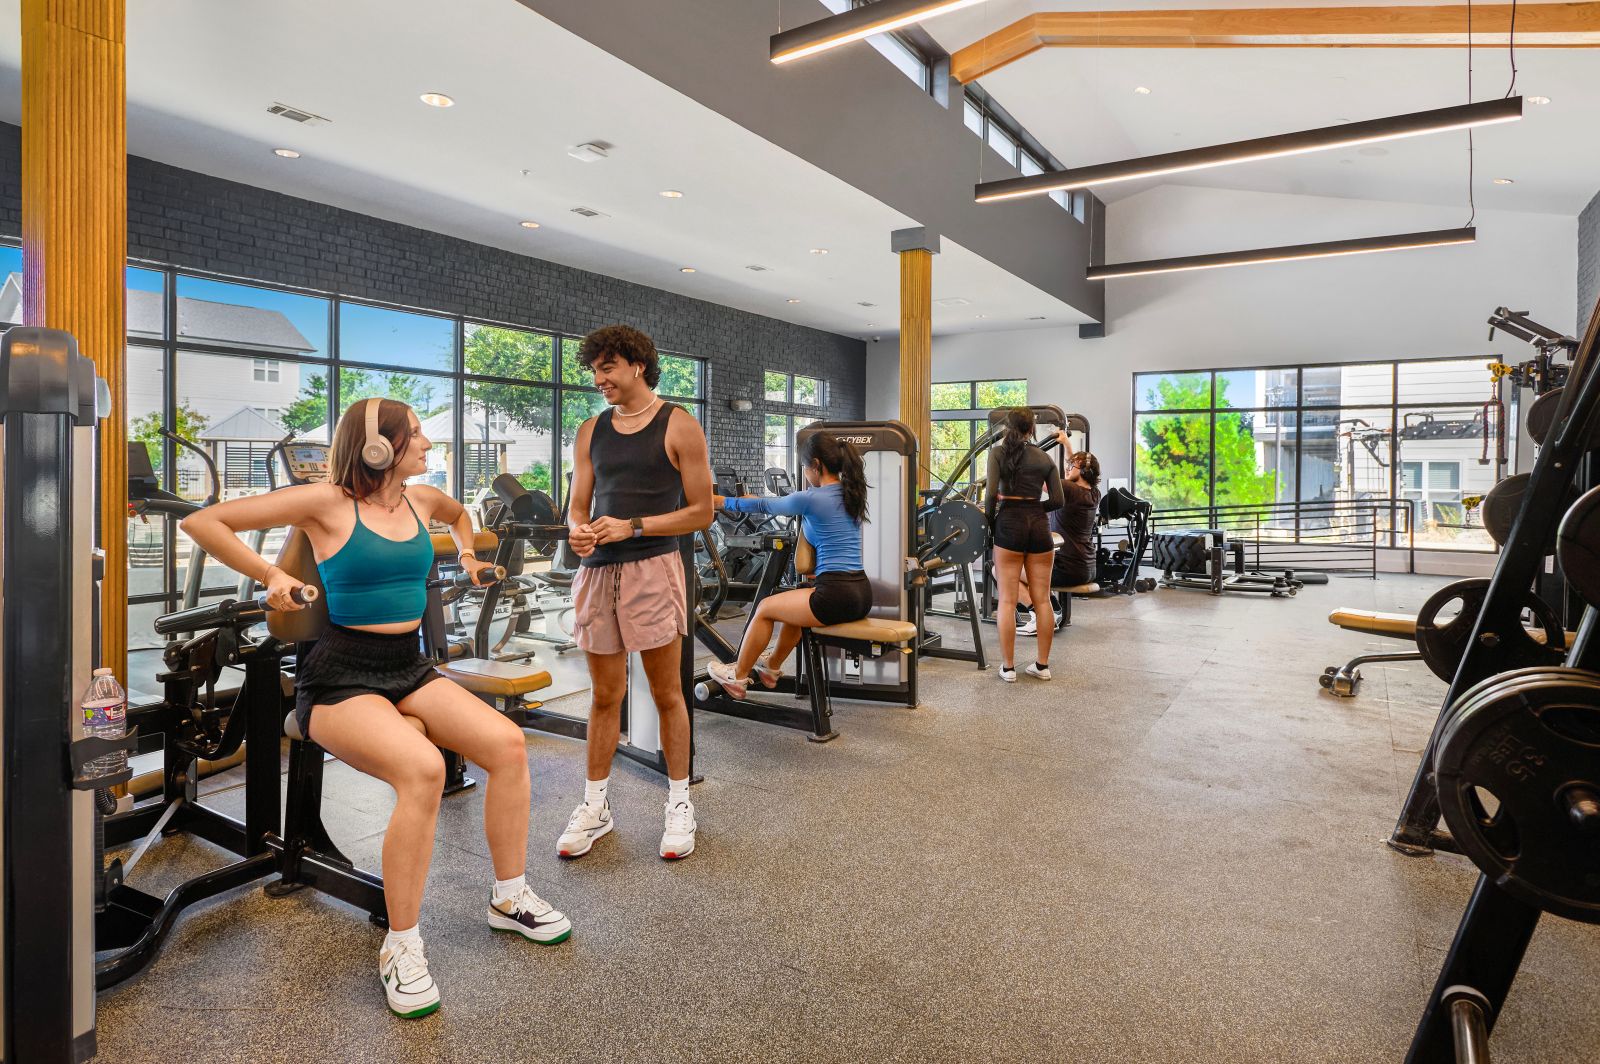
x=1172 y=852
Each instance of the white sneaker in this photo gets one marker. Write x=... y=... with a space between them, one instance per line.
x=531 y=917
x=406 y=983
x=765 y=672
x=678 y=838
x=1032 y=627
x=584 y=826
x=1008 y=673
x=1034 y=670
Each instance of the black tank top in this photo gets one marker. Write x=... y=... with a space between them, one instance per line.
x=633 y=477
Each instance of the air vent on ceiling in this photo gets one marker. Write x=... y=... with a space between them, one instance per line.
x=864 y=304
x=295 y=114
x=756 y=268
x=589 y=212
x=953 y=301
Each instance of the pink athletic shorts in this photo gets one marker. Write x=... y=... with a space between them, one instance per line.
x=632 y=606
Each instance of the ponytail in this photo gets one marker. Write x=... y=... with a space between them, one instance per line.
x=1010 y=447
x=840 y=458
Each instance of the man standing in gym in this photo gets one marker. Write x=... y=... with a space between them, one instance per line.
x=641 y=478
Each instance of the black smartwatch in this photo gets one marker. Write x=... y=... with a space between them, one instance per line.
x=638 y=527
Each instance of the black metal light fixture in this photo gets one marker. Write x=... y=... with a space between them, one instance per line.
x=1443 y=119
x=883 y=16
x=1328 y=249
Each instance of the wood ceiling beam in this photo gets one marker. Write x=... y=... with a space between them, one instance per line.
x=1562 y=25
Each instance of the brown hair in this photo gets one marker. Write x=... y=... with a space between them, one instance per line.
x=1088 y=467
x=626 y=343
x=345 y=467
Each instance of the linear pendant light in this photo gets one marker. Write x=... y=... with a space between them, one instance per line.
x=1462 y=116
x=857 y=23
x=1360 y=246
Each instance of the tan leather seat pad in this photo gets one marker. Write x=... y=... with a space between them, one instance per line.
x=871 y=629
x=497 y=679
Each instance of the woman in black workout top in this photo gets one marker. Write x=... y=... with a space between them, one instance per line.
x=1019 y=472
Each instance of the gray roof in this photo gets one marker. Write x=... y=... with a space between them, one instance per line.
x=199 y=320
x=245 y=424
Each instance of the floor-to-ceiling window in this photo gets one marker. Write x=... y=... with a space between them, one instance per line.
x=234 y=367
x=1316 y=434
x=960 y=416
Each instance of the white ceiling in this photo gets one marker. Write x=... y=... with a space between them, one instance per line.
x=201 y=74
x=1080 y=104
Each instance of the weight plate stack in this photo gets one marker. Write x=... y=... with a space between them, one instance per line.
x=1518 y=775
x=1444 y=644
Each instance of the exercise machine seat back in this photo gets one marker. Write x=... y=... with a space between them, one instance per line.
x=1090 y=588
x=869 y=629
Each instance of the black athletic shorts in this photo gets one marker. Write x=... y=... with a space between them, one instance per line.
x=842 y=597
x=346 y=662
x=1022 y=527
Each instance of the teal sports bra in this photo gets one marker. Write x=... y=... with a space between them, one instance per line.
x=376 y=580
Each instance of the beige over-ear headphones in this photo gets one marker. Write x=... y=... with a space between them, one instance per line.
x=377 y=452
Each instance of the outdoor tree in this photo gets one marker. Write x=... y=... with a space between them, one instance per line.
x=311 y=408
x=1175 y=450
x=146 y=429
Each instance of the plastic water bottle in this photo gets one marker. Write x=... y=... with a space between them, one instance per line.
x=105 y=716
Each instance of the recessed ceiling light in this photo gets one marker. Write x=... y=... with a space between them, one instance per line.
x=1505 y=181
x=791 y=301
x=980 y=315
x=685 y=269
x=819 y=251
x=286 y=153
x=1141 y=90
x=436 y=99
x=670 y=193
x=530 y=225
x=1036 y=317
x=872 y=325
x=1539 y=99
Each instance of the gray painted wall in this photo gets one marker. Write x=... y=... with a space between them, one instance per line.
x=849 y=112
x=193 y=221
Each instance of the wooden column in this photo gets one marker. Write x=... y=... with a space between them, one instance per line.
x=75 y=235
x=916 y=248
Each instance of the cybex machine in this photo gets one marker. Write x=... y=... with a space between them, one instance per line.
x=50 y=400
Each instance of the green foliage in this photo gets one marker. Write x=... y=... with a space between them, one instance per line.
x=146 y=429
x=679 y=376
x=311 y=408
x=536 y=477
x=1174 y=450
x=519 y=356
x=1002 y=393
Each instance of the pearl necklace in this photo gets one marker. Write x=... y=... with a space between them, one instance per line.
x=644 y=409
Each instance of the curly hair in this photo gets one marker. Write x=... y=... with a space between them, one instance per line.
x=626 y=343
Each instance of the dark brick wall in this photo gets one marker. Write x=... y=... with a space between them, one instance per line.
x=1588 y=261
x=189 y=220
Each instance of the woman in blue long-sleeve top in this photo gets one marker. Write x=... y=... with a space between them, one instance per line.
x=831 y=510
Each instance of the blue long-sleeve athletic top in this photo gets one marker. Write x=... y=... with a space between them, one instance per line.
x=829 y=528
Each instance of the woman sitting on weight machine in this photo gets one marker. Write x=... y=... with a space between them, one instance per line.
x=831 y=510
x=366 y=672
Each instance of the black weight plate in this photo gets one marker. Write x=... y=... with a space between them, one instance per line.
x=1526 y=746
x=1444 y=643
x=1578 y=546
x=966 y=521
x=1500 y=507
x=1542 y=416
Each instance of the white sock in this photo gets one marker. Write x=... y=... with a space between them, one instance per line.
x=505 y=889
x=594 y=792
x=394 y=938
x=677 y=790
